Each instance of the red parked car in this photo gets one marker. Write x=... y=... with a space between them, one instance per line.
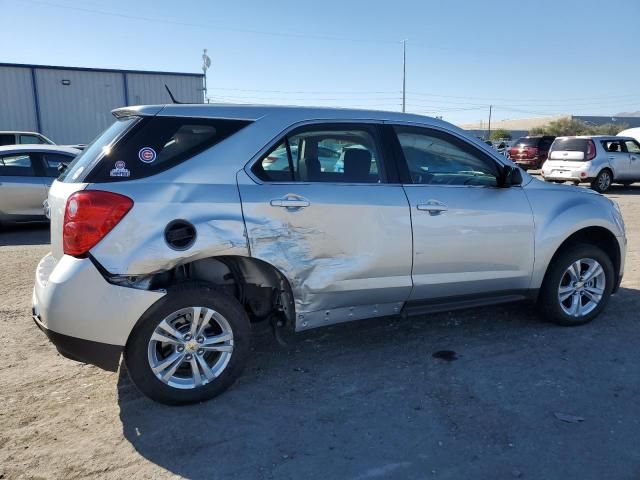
x=531 y=152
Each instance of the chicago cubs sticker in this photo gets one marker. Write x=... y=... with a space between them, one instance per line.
x=120 y=170
x=147 y=155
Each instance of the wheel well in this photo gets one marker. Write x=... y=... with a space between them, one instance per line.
x=260 y=287
x=598 y=236
x=610 y=172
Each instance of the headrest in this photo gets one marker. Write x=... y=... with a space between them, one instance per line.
x=357 y=164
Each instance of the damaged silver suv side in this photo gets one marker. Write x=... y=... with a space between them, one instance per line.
x=182 y=225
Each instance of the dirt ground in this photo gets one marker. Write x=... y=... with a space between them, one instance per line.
x=521 y=399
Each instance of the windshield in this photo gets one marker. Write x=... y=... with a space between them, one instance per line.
x=91 y=155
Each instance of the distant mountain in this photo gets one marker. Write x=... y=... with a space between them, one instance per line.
x=628 y=114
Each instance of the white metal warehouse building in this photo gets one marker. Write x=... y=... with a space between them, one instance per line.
x=72 y=105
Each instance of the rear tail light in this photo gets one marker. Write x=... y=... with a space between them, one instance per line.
x=270 y=159
x=88 y=216
x=591 y=150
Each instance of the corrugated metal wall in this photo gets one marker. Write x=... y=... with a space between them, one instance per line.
x=148 y=89
x=75 y=113
x=75 y=105
x=17 y=106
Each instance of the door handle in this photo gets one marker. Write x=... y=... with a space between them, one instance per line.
x=290 y=201
x=632 y=158
x=434 y=207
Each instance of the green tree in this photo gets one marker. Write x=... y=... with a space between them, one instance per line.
x=571 y=126
x=563 y=127
x=500 y=134
x=610 y=129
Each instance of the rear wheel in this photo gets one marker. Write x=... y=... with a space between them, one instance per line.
x=577 y=285
x=602 y=182
x=189 y=346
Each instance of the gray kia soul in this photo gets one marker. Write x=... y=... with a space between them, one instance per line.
x=181 y=226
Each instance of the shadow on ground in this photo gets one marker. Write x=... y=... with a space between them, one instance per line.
x=369 y=400
x=24 y=234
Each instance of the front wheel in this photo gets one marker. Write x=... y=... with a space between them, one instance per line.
x=189 y=346
x=602 y=182
x=577 y=285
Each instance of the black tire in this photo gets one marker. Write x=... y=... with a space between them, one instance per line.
x=177 y=298
x=603 y=181
x=548 y=301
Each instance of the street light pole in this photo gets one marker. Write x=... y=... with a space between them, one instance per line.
x=404 y=75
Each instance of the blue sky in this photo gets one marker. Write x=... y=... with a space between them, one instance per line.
x=528 y=58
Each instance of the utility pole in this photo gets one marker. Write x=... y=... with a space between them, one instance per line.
x=404 y=75
x=489 y=132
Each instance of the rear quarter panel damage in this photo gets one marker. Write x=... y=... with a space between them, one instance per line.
x=137 y=244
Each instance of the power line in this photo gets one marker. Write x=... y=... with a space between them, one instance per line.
x=215 y=27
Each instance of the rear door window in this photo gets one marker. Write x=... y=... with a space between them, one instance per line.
x=613 y=146
x=52 y=162
x=324 y=153
x=17 y=165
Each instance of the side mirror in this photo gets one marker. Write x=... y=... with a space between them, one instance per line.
x=511 y=176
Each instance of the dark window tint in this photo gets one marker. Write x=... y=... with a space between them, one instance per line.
x=570 y=145
x=527 y=142
x=157 y=143
x=30 y=140
x=545 y=143
x=16 y=165
x=436 y=158
x=52 y=162
x=333 y=154
x=7 y=139
x=91 y=155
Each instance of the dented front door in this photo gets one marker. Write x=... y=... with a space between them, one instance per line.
x=345 y=249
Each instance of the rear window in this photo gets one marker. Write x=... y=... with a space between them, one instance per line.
x=140 y=147
x=570 y=145
x=527 y=142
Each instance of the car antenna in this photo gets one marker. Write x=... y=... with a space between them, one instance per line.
x=173 y=99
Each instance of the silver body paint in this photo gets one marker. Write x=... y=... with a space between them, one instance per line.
x=357 y=250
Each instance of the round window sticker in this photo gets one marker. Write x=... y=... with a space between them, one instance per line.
x=147 y=155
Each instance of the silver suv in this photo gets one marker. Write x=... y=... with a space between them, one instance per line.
x=599 y=160
x=172 y=234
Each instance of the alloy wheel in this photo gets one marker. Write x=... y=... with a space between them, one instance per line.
x=190 y=347
x=581 y=287
x=604 y=181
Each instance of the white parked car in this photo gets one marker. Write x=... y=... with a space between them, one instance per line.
x=23 y=138
x=599 y=160
x=631 y=132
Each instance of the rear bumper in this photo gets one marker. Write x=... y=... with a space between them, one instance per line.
x=527 y=163
x=102 y=355
x=86 y=317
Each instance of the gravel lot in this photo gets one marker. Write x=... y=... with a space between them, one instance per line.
x=358 y=401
